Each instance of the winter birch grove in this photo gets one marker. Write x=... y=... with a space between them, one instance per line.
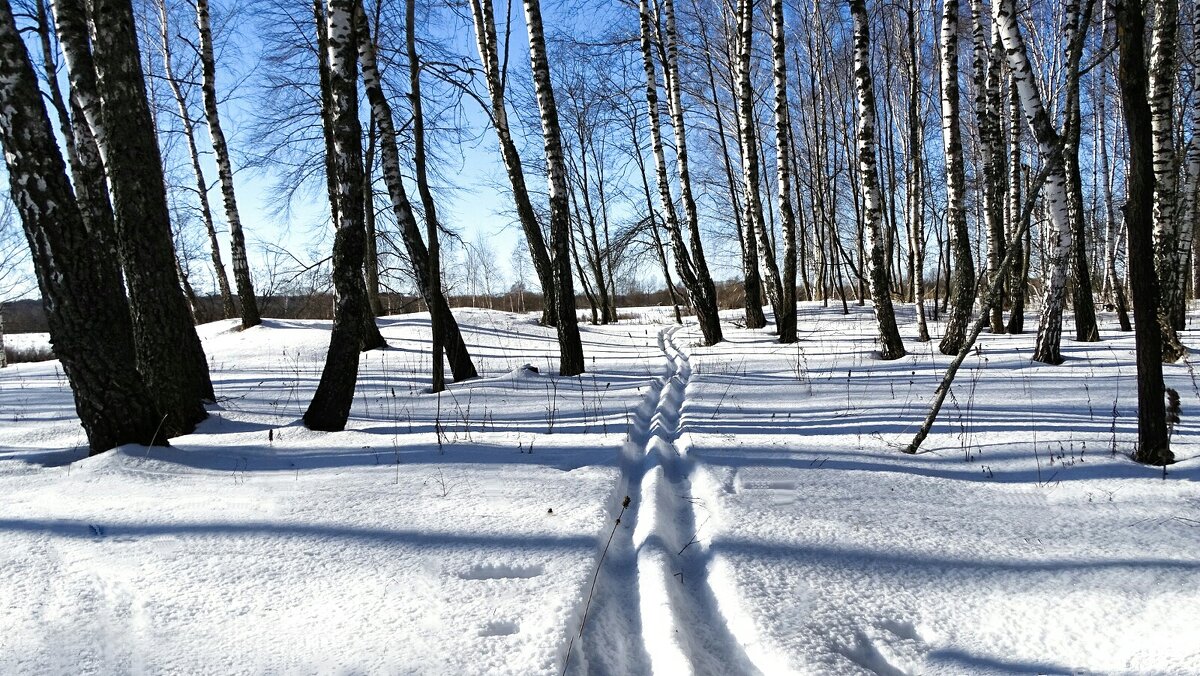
x=712 y=156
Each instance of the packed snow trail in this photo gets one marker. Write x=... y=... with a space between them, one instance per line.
x=656 y=611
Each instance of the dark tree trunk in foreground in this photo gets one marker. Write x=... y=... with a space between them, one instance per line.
x=330 y=407
x=1154 y=444
x=170 y=356
x=455 y=348
x=890 y=344
x=85 y=306
x=569 y=345
x=237 y=239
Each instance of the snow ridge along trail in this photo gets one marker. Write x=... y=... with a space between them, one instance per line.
x=657 y=611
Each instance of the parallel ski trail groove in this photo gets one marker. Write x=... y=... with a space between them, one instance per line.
x=655 y=587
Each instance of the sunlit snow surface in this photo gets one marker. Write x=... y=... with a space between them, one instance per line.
x=774 y=525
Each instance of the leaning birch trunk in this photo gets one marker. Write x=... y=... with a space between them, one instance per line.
x=785 y=318
x=569 y=345
x=702 y=302
x=495 y=76
x=748 y=137
x=89 y=319
x=890 y=344
x=461 y=365
x=189 y=134
x=1167 y=262
x=330 y=406
x=170 y=356
x=1154 y=440
x=962 y=284
x=1049 y=336
x=237 y=239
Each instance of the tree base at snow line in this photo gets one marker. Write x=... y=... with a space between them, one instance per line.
x=1172 y=348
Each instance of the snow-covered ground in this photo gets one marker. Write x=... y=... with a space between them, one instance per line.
x=774 y=526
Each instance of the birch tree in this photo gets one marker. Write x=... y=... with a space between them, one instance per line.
x=189 y=134
x=330 y=407
x=170 y=357
x=785 y=317
x=90 y=326
x=890 y=344
x=1154 y=443
x=569 y=345
x=1049 y=143
x=962 y=285
x=237 y=239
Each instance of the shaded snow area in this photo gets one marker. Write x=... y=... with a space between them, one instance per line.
x=774 y=525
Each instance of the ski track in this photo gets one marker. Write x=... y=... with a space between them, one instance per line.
x=656 y=609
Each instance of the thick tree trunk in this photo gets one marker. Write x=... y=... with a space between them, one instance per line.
x=461 y=366
x=962 y=285
x=1057 y=201
x=1154 y=444
x=189 y=134
x=330 y=406
x=89 y=320
x=237 y=239
x=496 y=75
x=986 y=67
x=890 y=344
x=785 y=317
x=569 y=345
x=170 y=357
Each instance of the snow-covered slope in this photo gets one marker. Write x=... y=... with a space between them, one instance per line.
x=773 y=526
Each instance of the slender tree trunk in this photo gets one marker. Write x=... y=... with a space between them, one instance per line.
x=988 y=57
x=704 y=293
x=429 y=285
x=237 y=239
x=1154 y=444
x=916 y=176
x=962 y=285
x=330 y=406
x=1019 y=279
x=785 y=317
x=890 y=344
x=1078 y=21
x=1169 y=265
x=1115 y=287
x=496 y=77
x=89 y=318
x=189 y=134
x=701 y=295
x=570 y=347
x=1057 y=201
x=371 y=260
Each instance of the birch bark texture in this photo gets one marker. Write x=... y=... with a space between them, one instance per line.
x=1049 y=338
x=890 y=344
x=330 y=406
x=569 y=345
x=962 y=284
x=90 y=326
x=237 y=238
x=785 y=317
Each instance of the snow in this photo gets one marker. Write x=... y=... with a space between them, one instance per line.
x=774 y=526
